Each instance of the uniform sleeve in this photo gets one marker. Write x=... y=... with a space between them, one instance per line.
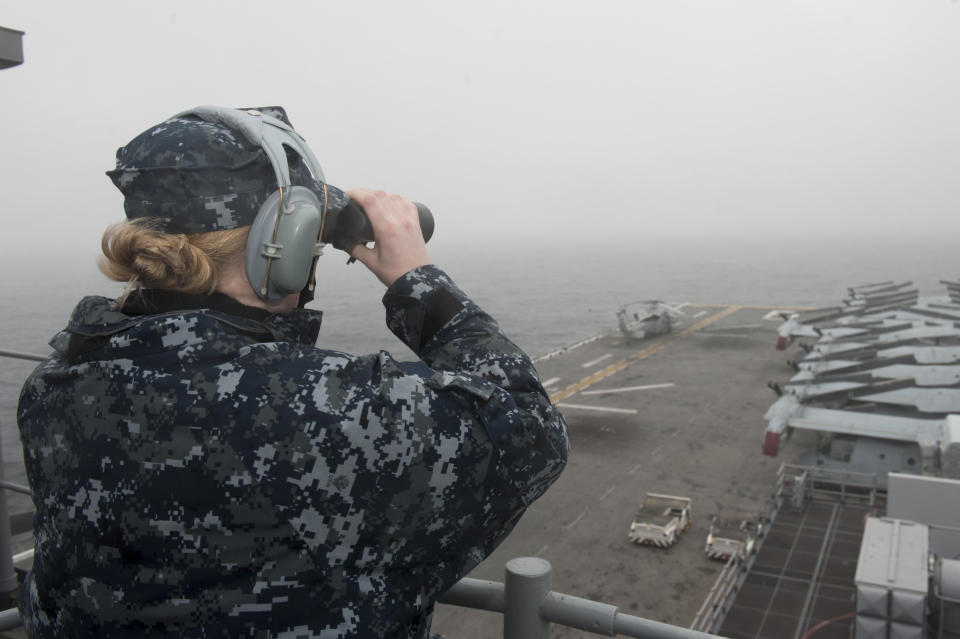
x=399 y=477
x=470 y=355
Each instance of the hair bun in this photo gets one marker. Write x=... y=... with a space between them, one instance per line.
x=133 y=251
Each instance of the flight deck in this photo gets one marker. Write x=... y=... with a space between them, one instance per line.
x=678 y=414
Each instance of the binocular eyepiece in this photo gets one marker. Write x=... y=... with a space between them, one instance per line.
x=350 y=226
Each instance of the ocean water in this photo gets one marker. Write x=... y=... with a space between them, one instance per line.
x=545 y=294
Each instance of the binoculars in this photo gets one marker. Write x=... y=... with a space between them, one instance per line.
x=350 y=226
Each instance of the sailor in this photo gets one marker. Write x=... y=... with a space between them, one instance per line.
x=200 y=468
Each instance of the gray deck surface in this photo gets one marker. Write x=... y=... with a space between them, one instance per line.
x=699 y=438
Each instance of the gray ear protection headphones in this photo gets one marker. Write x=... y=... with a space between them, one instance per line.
x=284 y=241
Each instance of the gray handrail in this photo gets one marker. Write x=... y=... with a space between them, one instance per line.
x=18 y=355
x=525 y=577
x=15 y=487
x=527 y=590
x=10 y=619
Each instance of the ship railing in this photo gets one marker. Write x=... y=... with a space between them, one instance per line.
x=795 y=485
x=525 y=599
x=8 y=577
x=529 y=606
x=801 y=483
x=947 y=612
x=717 y=604
x=714 y=608
x=791 y=484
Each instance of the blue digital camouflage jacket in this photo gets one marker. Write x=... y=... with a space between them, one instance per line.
x=209 y=472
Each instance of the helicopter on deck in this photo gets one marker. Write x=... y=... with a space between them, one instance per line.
x=649 y=318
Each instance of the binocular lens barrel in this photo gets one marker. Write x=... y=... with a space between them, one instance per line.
x=350 y=226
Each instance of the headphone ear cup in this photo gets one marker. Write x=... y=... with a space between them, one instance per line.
x=281 y=252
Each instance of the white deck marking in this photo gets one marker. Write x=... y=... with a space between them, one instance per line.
x=626 y=389
x=567 y=349
x=634 y=469
x=607 y=494
x=594 y=362
x=574 y=522
x=550 y=382
x=700 y=313
x=542 y=550
x=657 y=450
x=602 y=409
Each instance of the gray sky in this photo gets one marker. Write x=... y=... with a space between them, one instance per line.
x=592 y=118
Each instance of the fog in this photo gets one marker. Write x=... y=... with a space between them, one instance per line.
x=538 y=121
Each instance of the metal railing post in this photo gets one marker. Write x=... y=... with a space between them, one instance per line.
x=8 y=578
x=526 y=585
x=28 y=356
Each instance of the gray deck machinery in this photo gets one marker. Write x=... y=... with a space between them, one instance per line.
x=880 y=382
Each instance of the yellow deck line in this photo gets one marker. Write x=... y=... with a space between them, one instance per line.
x=650 y=350
x=758 y=308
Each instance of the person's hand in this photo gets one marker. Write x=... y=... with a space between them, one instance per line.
x=399 y=246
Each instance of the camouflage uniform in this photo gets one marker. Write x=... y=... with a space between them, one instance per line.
x=202 y=469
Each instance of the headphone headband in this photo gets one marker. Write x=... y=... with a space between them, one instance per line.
x=269 y=133
x=285 y=237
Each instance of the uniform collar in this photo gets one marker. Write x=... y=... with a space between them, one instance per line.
x=96 y=319
x=153 y=301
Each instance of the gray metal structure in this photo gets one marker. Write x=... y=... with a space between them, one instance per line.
x=945 y=603
x=892 y=580
x=870 y=455
x=933 y=501
x=529 y=606
x=11 y=47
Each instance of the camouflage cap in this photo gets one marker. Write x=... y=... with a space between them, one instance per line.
x=195 y=176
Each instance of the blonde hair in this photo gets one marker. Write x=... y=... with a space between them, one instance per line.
x=138 y=253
